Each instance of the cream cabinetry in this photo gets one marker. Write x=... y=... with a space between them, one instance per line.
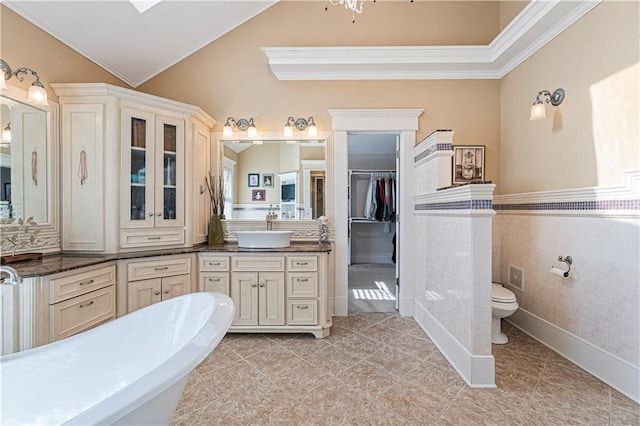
x=148 y=281
x=80 y=300
x=272 y=292
x=124 y=176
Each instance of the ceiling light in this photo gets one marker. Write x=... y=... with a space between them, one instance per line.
x=355 y=6
x=37 y=93
x=538 y=110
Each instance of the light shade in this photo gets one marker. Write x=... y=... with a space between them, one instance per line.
x=227 y=131
x=3 y=82
x=252 y=132
x=37 y=94
x=538 y=111
x=288 y=130
x=6 y=134
x=313 y=130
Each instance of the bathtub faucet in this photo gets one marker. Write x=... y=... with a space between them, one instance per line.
x=14 y=276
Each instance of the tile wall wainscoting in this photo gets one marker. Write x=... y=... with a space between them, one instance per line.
x=593 y=317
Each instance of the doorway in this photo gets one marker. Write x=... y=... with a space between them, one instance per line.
x=372 y=191
x=404 y=123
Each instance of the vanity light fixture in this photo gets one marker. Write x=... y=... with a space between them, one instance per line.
x=241 y=124
x=37 y=93
x=300 y=124
x=6 y=134
x=538 y=110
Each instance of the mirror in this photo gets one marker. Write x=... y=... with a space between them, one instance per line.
x=288 y=175
x=28 y=168
x=23 y=161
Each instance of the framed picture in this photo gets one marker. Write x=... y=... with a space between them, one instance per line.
x=254 y=180
x=468 y=164
x=267 y=180
x=258 y=194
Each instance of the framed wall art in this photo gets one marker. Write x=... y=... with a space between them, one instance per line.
x=267 y=180
x=254 y=180
x=258 y=194
x=468 y=164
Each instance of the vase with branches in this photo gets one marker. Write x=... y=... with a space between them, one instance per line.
x=215 y=186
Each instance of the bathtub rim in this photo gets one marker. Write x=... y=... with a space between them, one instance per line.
x=166 y=374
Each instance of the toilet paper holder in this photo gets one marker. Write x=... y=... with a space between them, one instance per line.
x=569 y=261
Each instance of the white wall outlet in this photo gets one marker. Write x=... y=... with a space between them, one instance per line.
x=516 y=277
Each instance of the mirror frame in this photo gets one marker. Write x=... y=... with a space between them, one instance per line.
x=303 y=229
x=49 y=235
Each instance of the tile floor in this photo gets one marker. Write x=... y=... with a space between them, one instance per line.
x=380 y=368
x=372 y=287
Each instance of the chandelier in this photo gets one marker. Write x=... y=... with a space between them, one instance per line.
x=356 y=6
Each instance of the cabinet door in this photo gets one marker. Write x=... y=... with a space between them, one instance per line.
x=143 y=293
x=169 y=172
x=244 y=293
x=137 y=169
x=271 y=298
x=175 y=286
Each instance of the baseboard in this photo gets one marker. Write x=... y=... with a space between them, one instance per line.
x=478 y=371
x=616 y=372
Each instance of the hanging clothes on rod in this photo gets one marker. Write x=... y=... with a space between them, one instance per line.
x=380 y=198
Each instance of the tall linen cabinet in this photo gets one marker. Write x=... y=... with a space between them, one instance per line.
x=133 y=169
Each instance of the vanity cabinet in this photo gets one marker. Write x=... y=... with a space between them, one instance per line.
x=80 y=300
x=152 y=280
x=124 y=176
x=272 y=292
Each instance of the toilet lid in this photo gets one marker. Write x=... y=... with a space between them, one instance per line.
x=501 y=294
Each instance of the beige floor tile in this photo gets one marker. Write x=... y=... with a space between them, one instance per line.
x=368 y=379
x=272 y=360
x=394 y=361
x=618 y=400
x=383 y=333
x=353 y=322
x=419 y=347
x=375 y=414
x=401 y=324
x=225 y=381
x=621 y=417
x=358 y=345
x=333 y=360
x=544 y=416
x=250 y=345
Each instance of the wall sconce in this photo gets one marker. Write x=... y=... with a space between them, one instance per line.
x=37 y=94
x=538 y=110
x=6 y=134
x=300 y=124
x=241 y=124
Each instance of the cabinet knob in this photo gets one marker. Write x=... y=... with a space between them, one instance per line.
x=261 y=284
x=84 y=305
x=150 y=214
x=157 y=292
x=158 y=214
x=253 y=284
x=166 y=292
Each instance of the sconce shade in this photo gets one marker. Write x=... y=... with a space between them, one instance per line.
x=313 y=130
x=37 y=94
x=252 y=132
x=288 y=131
x=227 y=131
x=538 y=111
x=6 y=134
x=3 y=82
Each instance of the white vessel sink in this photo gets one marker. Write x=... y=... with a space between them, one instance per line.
x=264 y=239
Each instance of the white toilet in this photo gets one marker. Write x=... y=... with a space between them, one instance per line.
x=503 y=304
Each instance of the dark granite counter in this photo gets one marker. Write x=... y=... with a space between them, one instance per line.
x=55 y=263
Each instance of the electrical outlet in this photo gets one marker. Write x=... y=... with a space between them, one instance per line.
x=516 y=277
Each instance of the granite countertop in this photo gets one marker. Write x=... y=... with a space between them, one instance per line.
x=61 y=262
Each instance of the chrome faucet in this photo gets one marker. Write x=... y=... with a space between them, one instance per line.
x=270 y=217
x=14 y=276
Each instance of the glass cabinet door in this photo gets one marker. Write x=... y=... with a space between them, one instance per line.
x=169 y=179
x=138 y=144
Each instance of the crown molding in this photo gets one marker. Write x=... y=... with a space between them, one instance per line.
x=537 y=24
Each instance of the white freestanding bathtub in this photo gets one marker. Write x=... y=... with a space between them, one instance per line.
x=128 y=371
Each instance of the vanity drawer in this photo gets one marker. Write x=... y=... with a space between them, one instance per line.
x=302 y=312
x=148 y=238
x=66 y=287
x=217 y=282
x=302 y=284
x=82 y=312
x=158 y=268
x=214 y=263
x=257 y=263
x=302 y=263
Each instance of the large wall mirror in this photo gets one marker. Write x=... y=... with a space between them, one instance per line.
x=28 y=171
x=289 y=176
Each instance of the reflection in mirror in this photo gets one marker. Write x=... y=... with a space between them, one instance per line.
x=287 y=176
x=23 y=161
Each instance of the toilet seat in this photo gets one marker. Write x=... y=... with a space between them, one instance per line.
x=500 y=294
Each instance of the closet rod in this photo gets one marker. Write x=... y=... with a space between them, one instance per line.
x=368 y=172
